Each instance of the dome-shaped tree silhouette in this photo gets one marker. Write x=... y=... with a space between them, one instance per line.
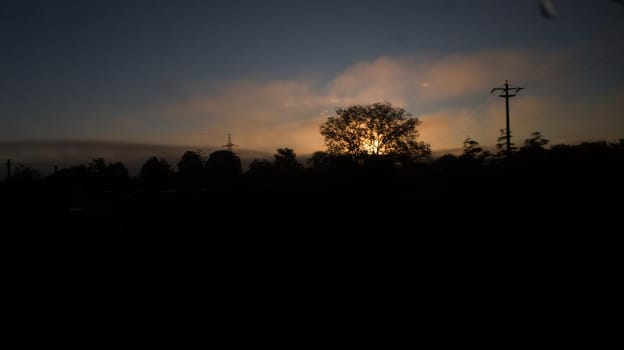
x=286 y=161
x=378 y=129
x=191 y=170
x=156 y=172
x=223 y=164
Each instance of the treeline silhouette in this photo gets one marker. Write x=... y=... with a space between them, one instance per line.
x=195 y=171
x=334 y=250
x=554 y=188
x=557 y=177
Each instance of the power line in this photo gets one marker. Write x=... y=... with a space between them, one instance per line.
x=507 y=96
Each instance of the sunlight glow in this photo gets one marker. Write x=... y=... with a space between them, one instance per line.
x=371 y=147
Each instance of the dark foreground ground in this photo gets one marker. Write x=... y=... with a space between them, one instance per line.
x=346 y=262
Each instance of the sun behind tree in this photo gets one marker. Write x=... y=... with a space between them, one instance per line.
x=378 y=129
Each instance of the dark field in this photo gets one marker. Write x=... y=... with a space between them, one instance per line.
x=323 y=260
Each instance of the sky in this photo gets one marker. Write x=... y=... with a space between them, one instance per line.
x=269 y=72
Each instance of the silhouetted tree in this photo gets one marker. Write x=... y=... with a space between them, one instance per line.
x=419 y=152
x=97 y=165
x=74 y=182
x=100 y=167
x=286 y=161
x=23 y=172
x=106 y=174
x=324 y=161
x=561 y=156
x=191 y=170
x=447 y=163
x=376 y=129
x=319 y=160
x=260 y=167
x=473 y=155
x=501 y=144
x=156 y=172
x=593 y=155
x=79 y=173
x=191 y=162
x=472 y=150
x=531 y=158
x=618 y=149
x=378 y=165
x=223 y=164
x=535 y=142
x=117 y=171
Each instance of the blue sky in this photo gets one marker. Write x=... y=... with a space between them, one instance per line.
x=269 y=72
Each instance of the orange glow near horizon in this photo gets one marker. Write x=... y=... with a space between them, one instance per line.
x=266 y=115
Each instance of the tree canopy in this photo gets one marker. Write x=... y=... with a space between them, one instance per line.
x=191 y=163
x=223 y=163
x=378 y=129
x=155 y=172
x=473 y=151
x=536 y=141
x=286 y=160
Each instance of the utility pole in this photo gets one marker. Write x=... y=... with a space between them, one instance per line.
x=507 y=95
x=229 y=144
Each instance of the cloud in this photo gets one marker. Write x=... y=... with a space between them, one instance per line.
x=450 y=94
x=261 y=115
x=447 y=129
